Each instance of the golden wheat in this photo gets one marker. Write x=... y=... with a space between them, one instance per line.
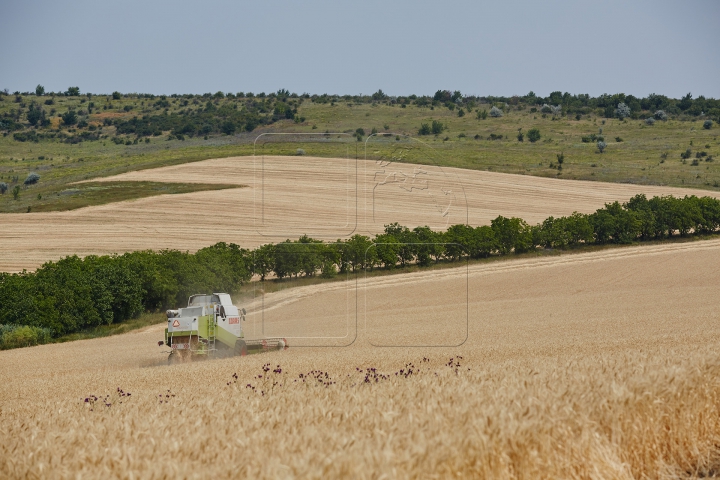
x=596 y=365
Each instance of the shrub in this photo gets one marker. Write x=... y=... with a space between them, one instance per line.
x=39 y=90
x=3 y=188
x=116 y=95
x=496 y=112
x=618 y=139
x=32 y=179
x=461 y=113
x=481 y=114
x=437 y=127
x=707 y=125
x=73 y=91
x=560 y=158
x=16 y=336
x=30 y=136
x=622 y=111
x=424 y=129
x=601 y=145
x=16 y=192
x=660 y=115
x=533 y=135
x=520 y=135
x=650 y=121
x=70 y=117
x=686 y=154
x=300 y=152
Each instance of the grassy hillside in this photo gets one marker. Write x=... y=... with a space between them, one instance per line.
x=133 y=132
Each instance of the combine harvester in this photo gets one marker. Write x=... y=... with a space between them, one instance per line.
x=211 y=326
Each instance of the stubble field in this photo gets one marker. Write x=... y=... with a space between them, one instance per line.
x=292 y=196
x=595 y=365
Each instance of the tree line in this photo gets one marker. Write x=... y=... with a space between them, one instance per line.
x=74 y=294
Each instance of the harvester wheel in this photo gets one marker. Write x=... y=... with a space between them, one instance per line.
x=240 y=348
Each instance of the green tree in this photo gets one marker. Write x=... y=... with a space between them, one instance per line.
x=73 y=91
x=116 y=95
x=430 y=245
x=70 y=117
x=39 y=90
x=355 y=250
x=16 y=192
x=512 y=234
x=424 y=129
x=387 y=249
x=533 y=135
x=263 y=259
x=228 y=127
x=35 y=114
x=437 y=127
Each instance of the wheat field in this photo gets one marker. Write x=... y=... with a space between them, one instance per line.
x=594 y=365
x=287 y=197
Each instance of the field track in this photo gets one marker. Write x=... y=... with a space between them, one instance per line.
x=603 y=364
x=291 y=196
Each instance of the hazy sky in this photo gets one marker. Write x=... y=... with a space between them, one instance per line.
x=403 y=47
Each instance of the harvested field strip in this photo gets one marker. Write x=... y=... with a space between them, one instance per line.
x=602 y=365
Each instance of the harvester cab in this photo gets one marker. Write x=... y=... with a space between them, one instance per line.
x=211 y=326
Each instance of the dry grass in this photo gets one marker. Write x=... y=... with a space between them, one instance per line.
x=303 y=195
x=596 y=365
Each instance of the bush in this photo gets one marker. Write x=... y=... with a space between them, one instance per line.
x=520 y=135
x=300 y=152
x=32 y=179
x=618 y=139
x=601 y=145
x=16 y=192
x=622 y=111
x=496 y=112
x=73 y=91
x=116 y=95
x=3 y=188
x=424 y=129
x=482 y=114
x=660 y=115
x=686 y=154
x=437 y=127
x=650 y=121
x=30 y=136
x=70 y=117
x=707 y=125
x=533 y=135
x=16 y=336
